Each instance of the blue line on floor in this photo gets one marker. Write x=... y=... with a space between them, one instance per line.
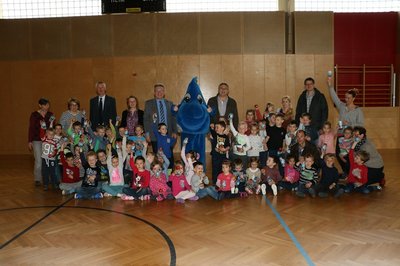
x=290 y=233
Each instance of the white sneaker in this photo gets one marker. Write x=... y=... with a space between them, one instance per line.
x=236 y=190
x=106 y=194
x=263 y=189
x=274 y=189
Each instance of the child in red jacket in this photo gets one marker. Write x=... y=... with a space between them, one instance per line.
x=140 y=181
x=358 y=174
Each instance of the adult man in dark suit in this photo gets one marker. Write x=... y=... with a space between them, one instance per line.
x=102 y=107
x=312 y=101
x=162 y=108
x=223 y=105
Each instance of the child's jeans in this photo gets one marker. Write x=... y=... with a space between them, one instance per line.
x=87 y=192
x=208 y=191
x=49 y=171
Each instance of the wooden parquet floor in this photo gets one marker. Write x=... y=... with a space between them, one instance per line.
x=49 y=229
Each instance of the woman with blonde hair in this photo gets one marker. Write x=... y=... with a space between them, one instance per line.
x=286 y=110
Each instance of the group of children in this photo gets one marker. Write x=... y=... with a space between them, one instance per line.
x=254 y=158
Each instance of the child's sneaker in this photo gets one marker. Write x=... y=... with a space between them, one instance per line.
x=274 y=189
x=159 y=198
x=248 y=190
x=107 y=194
x=146 y=197
x=64 y=192
x=98 y=196
x=119 y=195
x=312 y=192
x=258 y=189
x=126 y=197
x=77 y=196
x=180 y=200
x=339 y=193
x=194 y=198
x=322 y=194
x=236 y=190
x=263 y=189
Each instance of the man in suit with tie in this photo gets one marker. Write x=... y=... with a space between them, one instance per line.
x=160 y=107
x=102 y=107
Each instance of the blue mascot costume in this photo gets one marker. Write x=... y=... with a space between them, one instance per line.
x=193 y=117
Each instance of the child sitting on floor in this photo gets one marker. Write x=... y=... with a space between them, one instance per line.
x=180 y=187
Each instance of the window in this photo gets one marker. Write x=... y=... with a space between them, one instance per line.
x=11 y=9
x=175 y=6
x=348 y=5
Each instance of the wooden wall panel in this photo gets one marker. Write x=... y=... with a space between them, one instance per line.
x=133 y=34
x=304 y=67
x=50 y=38
x=383 y=126
x=253 y=82
x=210 y=73
x=7 y=108
x=177 y=33
x=188 y=67
x=167 y=73
x=144 y=69
x=313 y=32
x=290 y=77
x=264 y=32
x=16 y=42
x=275 y=79
x=232 y=74
x=91 y=36
x=220 y=33
x=324 y=63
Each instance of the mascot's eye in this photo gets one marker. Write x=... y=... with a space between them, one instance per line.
x=200 y=99
x=187 y=97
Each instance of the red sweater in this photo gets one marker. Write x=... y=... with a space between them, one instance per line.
x=225 y=182
x=69 y=171
x=140 y=179
x=34 y=125
x=355 y=169
x=179 y=184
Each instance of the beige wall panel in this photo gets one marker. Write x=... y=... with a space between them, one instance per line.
x=177 y=33
x=103 y=70
x=324 y=63
x=167 y=73
x=15 y=39
x=304 y=68
x=275 y=79
x=210 y=74
x=290 y=74
x=264 y=32
x=144 y=69
x=50 y=38
x=91 y=36
x=133 y=34
x=232 y=73
x=188 y=67
x=313 y=32
x=82 y=84
x=220 y=33
x=22 y=104
x=386 y=135
x=253 y=82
